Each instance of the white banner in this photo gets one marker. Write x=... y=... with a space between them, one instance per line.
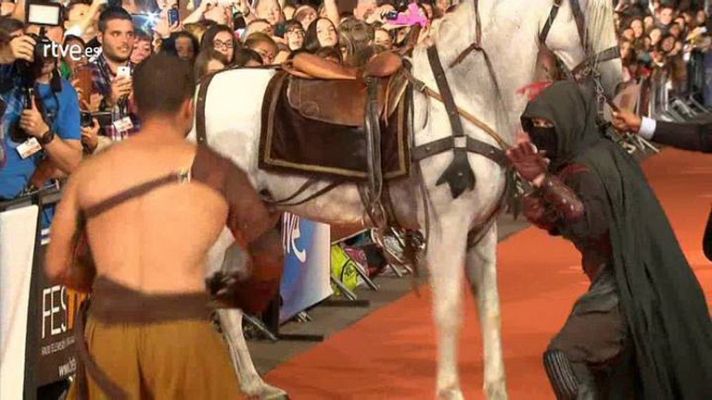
x=17 y=244
x=307 y=260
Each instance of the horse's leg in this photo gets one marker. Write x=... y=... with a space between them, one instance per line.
x=445 y=258
x=250 y=381
x=482 y=273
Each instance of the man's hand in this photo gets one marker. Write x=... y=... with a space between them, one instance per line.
x=90 y=136
x=530 y=164
x=19 y=48
x=31 y=122
x=120 y=88
x=626 y=121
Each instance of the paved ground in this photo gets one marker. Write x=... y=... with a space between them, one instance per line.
x=326 y=320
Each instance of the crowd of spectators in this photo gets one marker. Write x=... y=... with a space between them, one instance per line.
x=89 y=104
x=665 y=42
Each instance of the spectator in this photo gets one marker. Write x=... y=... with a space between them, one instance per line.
x=321 y=33
x=116 y=34
x=75 y=57
x=382 y=37
x=294 y=35
x=259 y=25
x=52 y=120
x=142 y=48
x=82 y=17
x=664 y=16
x=270 y=11
x=209 y=61
x=305 y=15
x=182 y=44
x=637 y=26
x=655 y=35
x=263 y=45
x=222 y=39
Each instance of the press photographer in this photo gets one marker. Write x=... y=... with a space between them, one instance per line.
x=41 y=119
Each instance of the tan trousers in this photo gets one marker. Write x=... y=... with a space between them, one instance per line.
x=172 y=360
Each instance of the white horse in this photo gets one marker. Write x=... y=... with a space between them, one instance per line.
x=510 y=36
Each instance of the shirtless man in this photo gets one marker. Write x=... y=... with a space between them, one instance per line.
x=147 y=328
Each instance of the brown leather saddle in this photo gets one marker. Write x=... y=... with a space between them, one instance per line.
x=314 y=115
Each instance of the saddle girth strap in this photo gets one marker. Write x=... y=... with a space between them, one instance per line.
x=458 y=175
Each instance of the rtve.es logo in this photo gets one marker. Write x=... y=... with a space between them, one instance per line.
x=74 y=51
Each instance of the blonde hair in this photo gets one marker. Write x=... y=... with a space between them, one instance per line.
x=196 y=29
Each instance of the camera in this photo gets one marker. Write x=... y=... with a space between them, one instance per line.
x=85 y=119
x=42 y=14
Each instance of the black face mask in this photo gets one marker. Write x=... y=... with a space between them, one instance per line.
x=544 y=138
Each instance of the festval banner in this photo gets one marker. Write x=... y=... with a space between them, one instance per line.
x=37 y=317
x=305 y=280
x=18 y=229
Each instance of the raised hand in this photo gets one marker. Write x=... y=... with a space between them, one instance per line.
x=19 y=48
x=528 y=162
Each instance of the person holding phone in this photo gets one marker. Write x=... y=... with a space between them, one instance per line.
x=111 y=76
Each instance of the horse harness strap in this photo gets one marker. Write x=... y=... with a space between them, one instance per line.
x=200 y=112
x=550 y=21
x=471 y=145
x=608 y=54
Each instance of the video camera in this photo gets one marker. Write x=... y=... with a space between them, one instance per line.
x=44 y=15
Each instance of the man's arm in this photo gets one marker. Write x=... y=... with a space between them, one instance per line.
x=66 y=154
x=254 y=228
x=59 y=256
x=686 y=136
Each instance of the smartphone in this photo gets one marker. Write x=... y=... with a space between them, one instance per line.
x=123 y=72
x=173 y=16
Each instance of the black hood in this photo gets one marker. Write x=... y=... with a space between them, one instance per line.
x=572 y=110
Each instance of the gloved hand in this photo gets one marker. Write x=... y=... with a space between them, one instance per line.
x=529 y=163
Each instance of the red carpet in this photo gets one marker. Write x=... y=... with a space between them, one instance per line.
x=391 y=353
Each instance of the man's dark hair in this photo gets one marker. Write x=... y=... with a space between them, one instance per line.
x=111 y=14
x=152 y=94
x=73 y=3
x=9 y=25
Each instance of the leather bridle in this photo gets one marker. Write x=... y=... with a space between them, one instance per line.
x=592 y=59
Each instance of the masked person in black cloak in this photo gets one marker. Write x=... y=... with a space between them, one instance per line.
x=643 y=329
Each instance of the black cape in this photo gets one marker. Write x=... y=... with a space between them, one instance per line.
x=663 y=302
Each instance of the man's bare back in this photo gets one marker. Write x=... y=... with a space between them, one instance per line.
x=156 y=242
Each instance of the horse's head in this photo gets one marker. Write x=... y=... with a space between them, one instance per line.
x=582 y=28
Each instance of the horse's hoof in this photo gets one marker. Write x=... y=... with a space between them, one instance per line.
x=450 y=394
x=496 y=390
x=267 y=392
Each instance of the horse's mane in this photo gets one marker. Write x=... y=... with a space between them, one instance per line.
x=599 y=23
